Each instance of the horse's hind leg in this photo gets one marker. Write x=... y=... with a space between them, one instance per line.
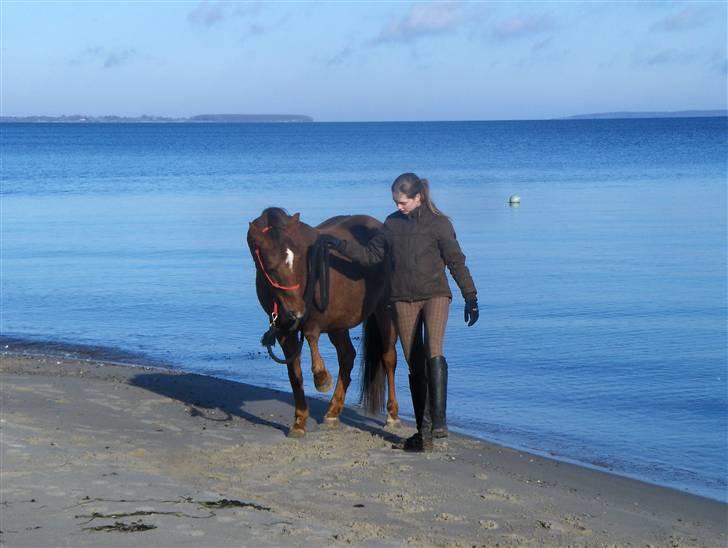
x=389 y=359
x=346 y=354
x=321 y=377
x=289 y=344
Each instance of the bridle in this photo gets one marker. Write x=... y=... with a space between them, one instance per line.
x=271 y=281
x=317 y=266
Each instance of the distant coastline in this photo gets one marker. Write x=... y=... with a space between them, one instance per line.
x=200 y=118
x=674 y=114
x=301 y=118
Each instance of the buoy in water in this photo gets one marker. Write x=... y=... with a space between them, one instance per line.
x=515 y=200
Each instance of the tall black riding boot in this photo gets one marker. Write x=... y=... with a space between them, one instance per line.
x=437 y=384
x=422 y=440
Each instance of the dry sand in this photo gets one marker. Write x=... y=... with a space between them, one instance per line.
x=104 y=455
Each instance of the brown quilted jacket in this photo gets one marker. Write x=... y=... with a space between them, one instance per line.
x=415 y=248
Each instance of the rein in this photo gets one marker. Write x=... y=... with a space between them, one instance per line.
x=318 y=267
x=317 y=273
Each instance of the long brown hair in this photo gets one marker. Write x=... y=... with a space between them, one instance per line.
x=411 y=185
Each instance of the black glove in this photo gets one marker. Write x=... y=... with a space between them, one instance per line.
x=331 y=242
x=471 y=309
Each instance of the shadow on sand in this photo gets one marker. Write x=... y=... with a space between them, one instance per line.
x=203 y=395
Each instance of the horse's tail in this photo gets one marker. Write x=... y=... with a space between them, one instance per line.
x=373 y=374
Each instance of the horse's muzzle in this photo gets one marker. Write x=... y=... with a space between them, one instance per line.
x=290 y=321
x=296 y=321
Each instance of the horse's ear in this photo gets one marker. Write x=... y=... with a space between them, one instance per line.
x=293 y=221
x=255 y=234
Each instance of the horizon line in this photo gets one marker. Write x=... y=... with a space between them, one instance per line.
x=302 y=118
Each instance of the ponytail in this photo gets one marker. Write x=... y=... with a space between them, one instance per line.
x=411 y=185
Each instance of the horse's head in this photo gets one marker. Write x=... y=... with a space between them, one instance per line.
x=279 y=253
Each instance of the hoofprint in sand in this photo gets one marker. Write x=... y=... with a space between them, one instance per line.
x=105 y=455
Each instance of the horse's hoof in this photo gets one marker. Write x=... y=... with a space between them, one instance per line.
x=296 y=433
x=392 y=424
x=323 y=384
x=331 y=422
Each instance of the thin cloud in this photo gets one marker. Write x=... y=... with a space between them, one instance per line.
x=248 y=9
x=253 y=30
x=719 y=62
x=542 y=44
x=118 y=57
x=207 y=13
x=422 y=20
x=663 y=57
x=339 y=58
x=716 y=62
x=522 y=26
x=108 y=58
x=668 y=56
x=687 y=19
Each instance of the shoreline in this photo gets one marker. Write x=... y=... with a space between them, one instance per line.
x=12 y=346
x=179 y=459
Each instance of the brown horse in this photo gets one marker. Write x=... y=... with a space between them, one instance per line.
x=300 y=297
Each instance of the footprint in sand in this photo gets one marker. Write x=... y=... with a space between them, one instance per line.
x=449 y=517
x=498 y=494
x=576 y=523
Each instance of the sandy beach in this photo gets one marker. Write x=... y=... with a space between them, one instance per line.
x=95 y=454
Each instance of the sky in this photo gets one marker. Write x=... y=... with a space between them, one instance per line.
x=362 y=61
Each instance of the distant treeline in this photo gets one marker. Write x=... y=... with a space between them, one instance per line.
x=201 y=118
x=676 y=114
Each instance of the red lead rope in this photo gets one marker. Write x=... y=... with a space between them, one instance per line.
x=272 y=282
x=270 y=336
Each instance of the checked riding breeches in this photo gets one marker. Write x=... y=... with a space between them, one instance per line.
x=428 y=374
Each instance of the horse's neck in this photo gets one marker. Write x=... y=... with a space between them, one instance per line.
x=308 y=234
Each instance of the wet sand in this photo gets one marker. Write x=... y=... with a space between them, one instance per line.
x=104 y=455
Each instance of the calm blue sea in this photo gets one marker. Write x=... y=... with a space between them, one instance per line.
x=602 y=337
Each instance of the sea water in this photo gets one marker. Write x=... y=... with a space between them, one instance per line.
x=602 y=335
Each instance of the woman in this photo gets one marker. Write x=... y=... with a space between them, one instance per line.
x=417 y=242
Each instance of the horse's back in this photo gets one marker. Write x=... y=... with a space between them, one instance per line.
x=361 y=227
x=348 y=221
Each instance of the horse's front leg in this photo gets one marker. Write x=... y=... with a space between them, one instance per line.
x=289 y=344
x=321 y=377
x=345 y=353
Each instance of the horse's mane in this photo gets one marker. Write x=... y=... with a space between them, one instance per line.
x=274 y=218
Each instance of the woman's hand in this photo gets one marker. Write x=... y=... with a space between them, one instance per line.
x=471 y=309
x=332 y=242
